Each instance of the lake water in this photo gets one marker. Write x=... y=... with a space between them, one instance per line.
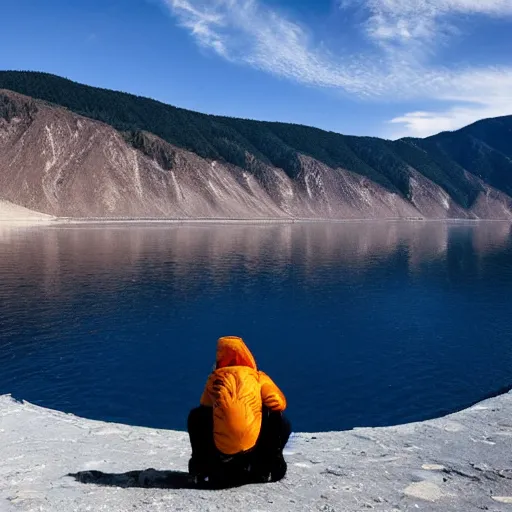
x=359 y=323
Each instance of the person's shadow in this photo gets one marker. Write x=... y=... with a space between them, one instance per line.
x=152 y=479
x=149 y=478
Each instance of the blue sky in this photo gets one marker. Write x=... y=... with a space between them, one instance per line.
x=385 y=68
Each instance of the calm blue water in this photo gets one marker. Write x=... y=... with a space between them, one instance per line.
x=359 y=324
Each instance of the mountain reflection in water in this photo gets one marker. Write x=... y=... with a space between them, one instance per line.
x=360 y=323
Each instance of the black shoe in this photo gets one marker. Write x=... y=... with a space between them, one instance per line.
x=198 y=470
x=260 y=478
x=278 y=468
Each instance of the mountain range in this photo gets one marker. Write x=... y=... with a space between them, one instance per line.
x=71 y=150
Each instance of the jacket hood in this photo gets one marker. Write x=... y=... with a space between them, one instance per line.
x=232 y=351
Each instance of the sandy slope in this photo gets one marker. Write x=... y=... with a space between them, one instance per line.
x=458 y=463
x=10 y=212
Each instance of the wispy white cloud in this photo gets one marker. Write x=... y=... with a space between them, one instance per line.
x=204 y=24
x=423 y=124
x=408 y=20
x=246 y=31
x=249 y=32
x=470 y=95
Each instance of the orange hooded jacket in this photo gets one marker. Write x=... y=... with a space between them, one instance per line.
x=237 y=391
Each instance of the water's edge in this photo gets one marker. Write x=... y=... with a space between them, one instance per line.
x=62 y=222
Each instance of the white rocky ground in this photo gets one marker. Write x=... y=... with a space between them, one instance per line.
x=462 y=462
x=13 y=213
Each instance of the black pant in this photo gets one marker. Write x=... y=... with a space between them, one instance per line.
x=265 y=461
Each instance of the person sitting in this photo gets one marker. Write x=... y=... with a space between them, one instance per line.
x=238 y=432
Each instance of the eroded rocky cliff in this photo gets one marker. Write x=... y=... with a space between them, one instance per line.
x=57 y=162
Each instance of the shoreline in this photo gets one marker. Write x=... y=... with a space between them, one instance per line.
x=103 y=221
x=460 y=462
